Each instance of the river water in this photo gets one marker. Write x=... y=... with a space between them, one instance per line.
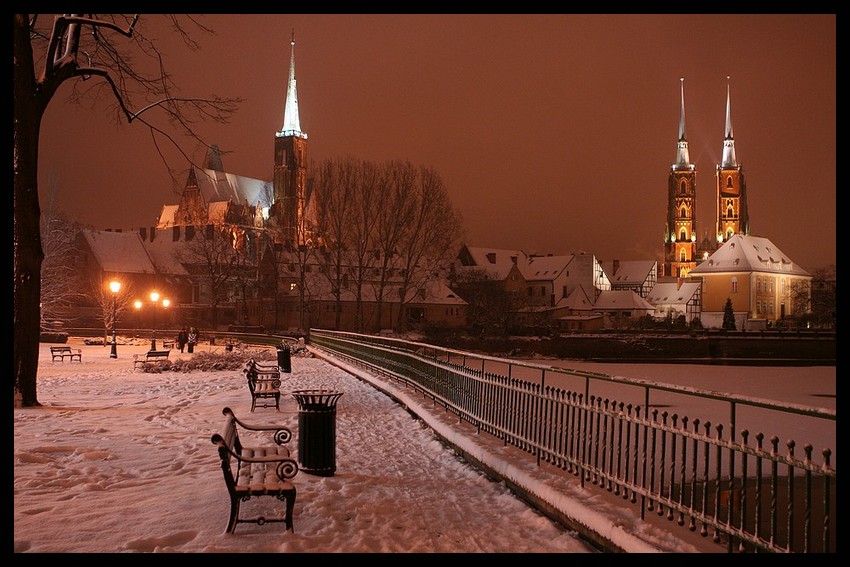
x=809 y=386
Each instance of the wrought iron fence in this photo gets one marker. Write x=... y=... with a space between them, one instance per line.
x=744 y=490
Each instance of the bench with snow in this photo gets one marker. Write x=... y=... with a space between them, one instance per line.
x=256 y=471
x=152 y=356
x=263 y=383
x=60 y=352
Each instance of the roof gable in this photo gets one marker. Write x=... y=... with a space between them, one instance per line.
x=745 y=253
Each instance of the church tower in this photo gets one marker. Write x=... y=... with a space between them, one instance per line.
x=732 y=215
x=290 y=165
x=680 y=240
x=192 y=209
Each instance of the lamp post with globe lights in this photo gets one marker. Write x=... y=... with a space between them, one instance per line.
x=138 y=305
x=115 y=287
x=165 y=303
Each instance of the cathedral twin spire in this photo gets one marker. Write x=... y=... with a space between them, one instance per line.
x=729 y=161
x=683 y=159
x=291 y=121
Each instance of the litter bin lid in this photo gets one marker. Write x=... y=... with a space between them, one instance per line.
x=324 y=398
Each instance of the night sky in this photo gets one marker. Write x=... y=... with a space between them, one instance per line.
x=552 y=133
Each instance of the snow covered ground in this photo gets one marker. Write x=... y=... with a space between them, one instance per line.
x=121 y=461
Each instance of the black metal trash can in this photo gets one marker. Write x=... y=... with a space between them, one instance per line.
x=317 y=430
x=284 y=359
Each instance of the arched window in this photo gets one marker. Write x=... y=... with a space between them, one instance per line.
x=683 y=187
x=684 y=213
x=729 y=182
x=683 y=235
x=683 y=257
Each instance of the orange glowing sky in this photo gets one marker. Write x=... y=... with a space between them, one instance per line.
x=553 y=133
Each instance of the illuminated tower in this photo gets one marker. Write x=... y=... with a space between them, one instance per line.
x=680 y=231
x=290 y=169
x=191 y=210
x=732 y=215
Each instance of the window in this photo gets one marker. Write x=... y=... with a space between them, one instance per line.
x=729 y=182
x=683 y=257
x=734 y=286
x=683 y=187
x=684 y=215
x=683 y=235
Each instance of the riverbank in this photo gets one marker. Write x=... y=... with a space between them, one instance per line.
x=732 y=348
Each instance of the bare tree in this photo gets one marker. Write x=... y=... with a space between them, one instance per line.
x=98 y=290
x=215 y=256
x=96 y=54
x=491 y=306
x=361 y=243
x=430 y=237
x=396 y=202
x=60 y=281
x=334 y=188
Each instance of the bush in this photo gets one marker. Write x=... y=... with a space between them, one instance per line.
x=53 y=337
x=211 y=361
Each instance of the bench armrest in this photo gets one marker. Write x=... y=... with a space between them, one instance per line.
x=282 y=434
x=286 y=467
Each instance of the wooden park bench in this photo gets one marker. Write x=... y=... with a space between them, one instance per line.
x=152 y=356
x=168 y=344
x=256 y=471
x=60 y=352
x=264 y=384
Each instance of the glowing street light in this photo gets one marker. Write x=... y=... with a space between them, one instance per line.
x=115 y=286
x=138 y=305
x=154 y=299
x=165 y=303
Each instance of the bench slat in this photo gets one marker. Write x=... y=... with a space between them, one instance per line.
x=260 y=471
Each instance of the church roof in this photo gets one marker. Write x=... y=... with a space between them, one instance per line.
x=221 y=186
x=746 y=253
x=119 y=251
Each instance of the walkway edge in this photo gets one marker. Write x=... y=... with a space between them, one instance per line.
x=603 y=531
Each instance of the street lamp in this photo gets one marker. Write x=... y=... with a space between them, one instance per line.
x=138 y=306
x=154 y=299
x=115 y=286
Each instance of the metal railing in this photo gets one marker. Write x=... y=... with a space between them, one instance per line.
x=746 y=492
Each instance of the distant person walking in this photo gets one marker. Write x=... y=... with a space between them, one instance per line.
x=192 y=339
x=182 y=338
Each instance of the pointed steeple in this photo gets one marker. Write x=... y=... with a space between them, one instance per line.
x=729 y=160
x=291 y=121
x=213 y=160
x=683 y=160
x=191 y=180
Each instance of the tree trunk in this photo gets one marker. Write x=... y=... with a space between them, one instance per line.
x=28 y=253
